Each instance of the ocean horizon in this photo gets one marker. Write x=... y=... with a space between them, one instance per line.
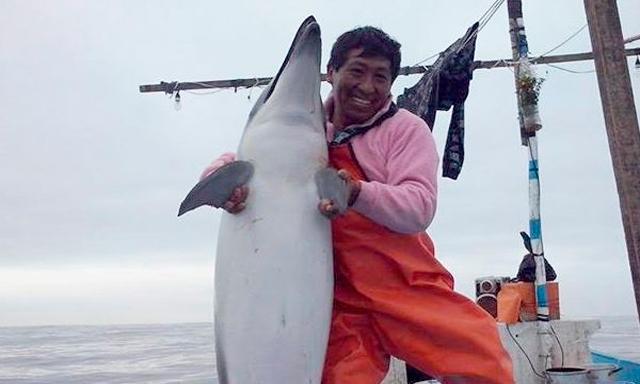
x=171 y=353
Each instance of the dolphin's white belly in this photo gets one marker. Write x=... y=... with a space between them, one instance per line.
x=274 y=265
x=274 y=274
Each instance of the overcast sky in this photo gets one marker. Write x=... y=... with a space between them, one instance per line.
x=92 y=171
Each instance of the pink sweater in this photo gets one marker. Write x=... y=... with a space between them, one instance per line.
x=400 y=160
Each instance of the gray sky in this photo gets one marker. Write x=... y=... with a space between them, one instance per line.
x=92 y=172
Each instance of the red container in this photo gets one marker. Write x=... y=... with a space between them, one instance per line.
x=517 y=302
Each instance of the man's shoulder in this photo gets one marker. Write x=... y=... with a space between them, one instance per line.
x=404 y=118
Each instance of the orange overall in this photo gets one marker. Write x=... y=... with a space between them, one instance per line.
x=392 y=297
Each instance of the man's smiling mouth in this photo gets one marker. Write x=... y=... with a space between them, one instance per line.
x=361 y=102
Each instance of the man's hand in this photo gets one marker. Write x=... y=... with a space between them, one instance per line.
x=236 y=202
x=328 y=208
x=353 y=185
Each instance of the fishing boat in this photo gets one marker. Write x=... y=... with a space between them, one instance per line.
x=574 y=361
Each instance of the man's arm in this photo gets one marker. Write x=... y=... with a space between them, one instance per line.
x=406 y=201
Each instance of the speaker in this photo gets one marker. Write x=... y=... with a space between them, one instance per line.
x=487 y=289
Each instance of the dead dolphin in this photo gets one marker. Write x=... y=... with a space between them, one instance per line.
x=274 y=263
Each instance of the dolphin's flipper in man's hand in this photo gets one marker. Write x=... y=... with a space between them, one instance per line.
x=217 y=188
x=333 y=187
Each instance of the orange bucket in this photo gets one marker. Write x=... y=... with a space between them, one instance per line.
x=517 y=302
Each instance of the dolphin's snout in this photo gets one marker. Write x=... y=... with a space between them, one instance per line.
x=299 y=75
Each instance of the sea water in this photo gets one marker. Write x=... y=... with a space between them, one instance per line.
x=171 y=353
x=618 y=336
x=168 y=353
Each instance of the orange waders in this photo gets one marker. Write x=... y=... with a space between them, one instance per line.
x=392 y=297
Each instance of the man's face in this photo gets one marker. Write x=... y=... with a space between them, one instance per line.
x=360 y=87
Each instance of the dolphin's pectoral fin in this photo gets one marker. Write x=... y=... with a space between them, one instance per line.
x=332 y=187
x=217 y=188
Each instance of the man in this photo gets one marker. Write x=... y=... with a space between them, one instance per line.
x=392 y=297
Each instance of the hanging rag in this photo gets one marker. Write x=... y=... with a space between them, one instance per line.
x=446 y=84
x=527 y=269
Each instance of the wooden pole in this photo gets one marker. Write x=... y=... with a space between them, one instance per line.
x=621 y=121
x=170 y=87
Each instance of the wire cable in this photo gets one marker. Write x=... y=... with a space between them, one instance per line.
x=482 y=22
x=427 y=59
x=484 y=15
x=563 y=43
x=204 y=93
x=490 y=13
x=524 y=352
x=559 y=345
x=570 y=70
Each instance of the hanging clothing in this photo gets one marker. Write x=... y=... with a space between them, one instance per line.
x=444 y=85
x=392 y=297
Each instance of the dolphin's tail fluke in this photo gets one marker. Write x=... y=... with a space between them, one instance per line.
x=217 y=188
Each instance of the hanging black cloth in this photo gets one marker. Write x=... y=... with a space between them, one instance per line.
x=444 y=85
x=527 y=270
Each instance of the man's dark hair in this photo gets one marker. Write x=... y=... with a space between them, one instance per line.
x=375 y=43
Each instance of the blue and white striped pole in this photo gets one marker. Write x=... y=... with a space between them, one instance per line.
x=529 y=124
x=535 y=231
